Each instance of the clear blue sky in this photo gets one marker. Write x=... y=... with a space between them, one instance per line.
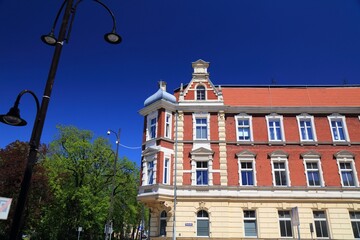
x=100 y=86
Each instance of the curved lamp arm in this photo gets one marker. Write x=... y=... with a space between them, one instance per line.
x=50 y=38
x=111 y=37
x=13 y=116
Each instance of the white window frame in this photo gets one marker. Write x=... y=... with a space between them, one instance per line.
x=202 y=169
x=153 y=115
x=202 y=155
x=321 y=220
x=280 y=158
x=342 y=119
x=166 y=170
x=318 y=170
x=244 y=117
x=196 y=92
x=285 y=220
x=246 y=156
x=201 y=116
x=313 y=158
x=356 y=221
x=203 y=219
x=307 y=118
x=254 y=219
x=145 y=179
x=168 y=125
x=275 y=118
x=347 y=157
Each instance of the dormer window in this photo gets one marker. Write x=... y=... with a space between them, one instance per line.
x=200 y=92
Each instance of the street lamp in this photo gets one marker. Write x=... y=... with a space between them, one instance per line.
x=109 y=223
x=13 y=116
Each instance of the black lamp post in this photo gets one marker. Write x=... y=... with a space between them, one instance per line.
x=109 y=223
x=13 y=116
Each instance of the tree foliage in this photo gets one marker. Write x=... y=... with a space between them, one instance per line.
x=72 y=187
x=81 y=170
x=13 y=160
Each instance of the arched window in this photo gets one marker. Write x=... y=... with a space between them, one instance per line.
x=200 y=92
x=163 y=216
x=202 y=223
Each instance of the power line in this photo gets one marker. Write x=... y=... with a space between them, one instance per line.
x=129 y=147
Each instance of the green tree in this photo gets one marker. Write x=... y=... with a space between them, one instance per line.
x=80 y=171
x=79 y=176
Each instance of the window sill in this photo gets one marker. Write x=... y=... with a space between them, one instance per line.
x=341 y=143
x=277 y=143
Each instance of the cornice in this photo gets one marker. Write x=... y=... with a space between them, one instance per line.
x=216 y=107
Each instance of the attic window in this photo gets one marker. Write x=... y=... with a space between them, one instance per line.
x=200 y=92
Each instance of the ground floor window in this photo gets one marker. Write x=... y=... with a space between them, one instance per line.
x=320 y=222
x=163 y=223
x=285 y=224
x=250 y=223
x=355 y=223
x=202 y=223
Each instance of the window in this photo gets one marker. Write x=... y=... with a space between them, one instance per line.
x=285 y=224
x=247 y=174
x=247 y=170
x=355 y=223
x=275 y=128
x=168 y=125
x=250 y=223
x=313 y=174
x=312 y=166
x=201 y=166
x=200 y=92
x=244 y=128
x=306 y=128
x=149 y=166
x=150 y=172
x=347 y=170
x=166 y=170
x=202 y=224
x=338 y=128
x=201 y=173
x=279 y=170
x=163 y=216
x=151 y=130
x=201 y=128
x=320 y=223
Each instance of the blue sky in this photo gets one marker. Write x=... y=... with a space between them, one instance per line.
x=100 y=86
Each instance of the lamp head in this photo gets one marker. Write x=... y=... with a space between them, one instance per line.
x=13 y=117
x=113 y=38
x=49 y=39
x=108 y=132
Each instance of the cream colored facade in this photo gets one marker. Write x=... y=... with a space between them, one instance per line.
x=170 y=168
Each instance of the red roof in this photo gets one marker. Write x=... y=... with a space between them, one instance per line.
x=292 y=96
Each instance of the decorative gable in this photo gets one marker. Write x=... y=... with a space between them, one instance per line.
x=311 y=154
x=202 y=151
x=200 y=89
x=246 y=154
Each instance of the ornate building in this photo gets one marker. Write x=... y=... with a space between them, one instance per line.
x=264 y=162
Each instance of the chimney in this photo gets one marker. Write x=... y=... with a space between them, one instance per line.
x=162 y=85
